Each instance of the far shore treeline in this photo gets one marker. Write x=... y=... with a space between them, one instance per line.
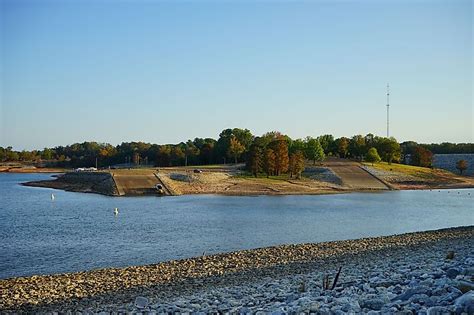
x=272 y=152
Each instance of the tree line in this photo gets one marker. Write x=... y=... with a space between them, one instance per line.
x=272 y=153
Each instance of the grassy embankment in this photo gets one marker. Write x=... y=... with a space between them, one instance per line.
x=414 y=177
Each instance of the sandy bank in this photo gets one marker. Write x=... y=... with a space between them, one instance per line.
x=113 y=288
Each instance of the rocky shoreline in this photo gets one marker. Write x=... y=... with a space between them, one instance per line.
x=94 y=182
x=427 y=272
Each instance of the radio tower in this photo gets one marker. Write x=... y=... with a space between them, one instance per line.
x=388 y=109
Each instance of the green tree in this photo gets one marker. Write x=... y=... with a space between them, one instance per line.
x=235 y=148
x=269 y=162
x=177 y=155
x=369 y=140
x=389 y=149
x=461 y=165
x=3 y=154
x=342 y=146
x=12 y=155
x=244 y=137
x=255 y=161
x=47 y=154
x=328 y=143
x=163 y=157
x=313 y=150
x=297 y=145
x=190 y=151
x=206 y=153
x=372 y=156
x=357 y=147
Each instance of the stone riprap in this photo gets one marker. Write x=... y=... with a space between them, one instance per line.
x=406 y=273
x=88 y=182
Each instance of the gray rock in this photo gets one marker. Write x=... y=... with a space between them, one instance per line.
x=141 y=302
x=291 y=297
x=466 y=302
x=421 y=299
x=372 y=304
x=468 y=271
x=412 y=291
x=465 y=286
x=437 y=310
x=314 y=307
x=452 y=272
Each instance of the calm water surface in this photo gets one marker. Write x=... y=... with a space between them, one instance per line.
x=80 y=232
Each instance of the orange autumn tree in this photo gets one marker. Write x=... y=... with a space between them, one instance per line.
x=297 y=164
x=269 y=162
x=280 y=147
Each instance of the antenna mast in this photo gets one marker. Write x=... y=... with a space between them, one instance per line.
x=388 y=109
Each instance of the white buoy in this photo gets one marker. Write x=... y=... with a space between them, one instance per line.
x=116 y=211
x=52 y=196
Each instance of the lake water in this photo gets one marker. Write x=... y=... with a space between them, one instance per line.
x=79 y=231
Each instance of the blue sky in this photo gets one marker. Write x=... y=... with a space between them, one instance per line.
x=167 y=71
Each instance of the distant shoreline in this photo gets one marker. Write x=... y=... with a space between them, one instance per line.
x=328 y=178
x=29 y=170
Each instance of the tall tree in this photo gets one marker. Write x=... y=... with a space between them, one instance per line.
x=357 y=147
x=206 y=153
x=164 y=155
x=327 y=142
x=297 y=145
x=389 y=149
x=421 y=157
x=255 y=161
x=191 y=151
x=296 y=165
x=269 y=162
x=313 y=150
x=177 y=155
x=235 y=148
x=244 y=137
x=280 y=147
x=369 y=140
x=342 y=146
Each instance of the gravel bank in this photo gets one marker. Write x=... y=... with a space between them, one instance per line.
x=407 y=273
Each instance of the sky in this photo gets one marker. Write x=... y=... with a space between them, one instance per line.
x=168 y=71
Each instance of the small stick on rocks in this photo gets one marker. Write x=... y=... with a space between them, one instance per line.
x=326 y=282
x=337 y=278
